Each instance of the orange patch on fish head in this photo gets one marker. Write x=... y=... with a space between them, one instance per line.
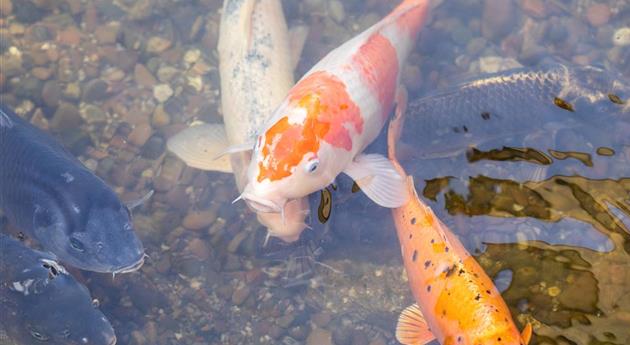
x=319 y=109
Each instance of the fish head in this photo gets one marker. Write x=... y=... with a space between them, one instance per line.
x=310 y=140
x=99 y=237
x=51 y=307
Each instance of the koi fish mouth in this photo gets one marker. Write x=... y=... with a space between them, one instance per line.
x=261 y=205
x=133 y=267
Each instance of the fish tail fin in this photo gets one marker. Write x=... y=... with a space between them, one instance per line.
x=410 y=15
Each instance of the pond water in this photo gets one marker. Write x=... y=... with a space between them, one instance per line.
x=542 y=195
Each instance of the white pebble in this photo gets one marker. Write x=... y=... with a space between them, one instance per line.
x=621 y=37
x=337 y=13
x=162 y=92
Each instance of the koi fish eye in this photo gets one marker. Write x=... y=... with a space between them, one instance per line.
x=311 y=166
x=77 y=245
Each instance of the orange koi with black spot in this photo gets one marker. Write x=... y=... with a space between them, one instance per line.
x=457 y=303
x=331 y=115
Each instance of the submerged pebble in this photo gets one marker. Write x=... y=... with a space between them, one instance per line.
x=621 y=37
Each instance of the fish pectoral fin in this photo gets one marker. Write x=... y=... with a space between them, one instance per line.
x=412 y=328
x=199 y=147
x=378 y=179
x=526 y=334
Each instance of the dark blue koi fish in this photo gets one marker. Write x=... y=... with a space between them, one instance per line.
x=49 y=195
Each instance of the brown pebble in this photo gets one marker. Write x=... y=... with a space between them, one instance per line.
x=322 y=319
x=140 y=134
x=498 y=18
x=41 y=73
x=160 y=117
x=198 y=248
x=197 y=220
x=534 y=8
x=66 y=117
x=70 y=36
x=598 y=14
x=51 y=93
x=240 y=294
x=107 y=34
x=6 y=7
x=143 y=76
x=319 y=336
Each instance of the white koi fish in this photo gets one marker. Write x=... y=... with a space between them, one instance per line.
x=256 y=69
x=329 y=117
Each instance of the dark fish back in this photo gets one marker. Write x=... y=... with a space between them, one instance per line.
x=511 y=102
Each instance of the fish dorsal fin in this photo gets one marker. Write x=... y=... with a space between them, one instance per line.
x=526 y=334
x=5 y=121
x=412 y=328
x=198 y=146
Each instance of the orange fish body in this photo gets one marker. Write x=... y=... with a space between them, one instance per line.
x=457 y=303
x=332 y=114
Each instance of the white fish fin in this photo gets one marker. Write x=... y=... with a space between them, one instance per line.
x=199 y=146
x=412 y=328
x=297 y=38
x=5 y=121
x=378 y=179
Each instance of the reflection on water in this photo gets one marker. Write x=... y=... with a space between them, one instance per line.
x=539 y=189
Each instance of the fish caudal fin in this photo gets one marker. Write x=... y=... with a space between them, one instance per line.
x=378 y=179
x=199 y=146
x=412 y=328
x=526 y=334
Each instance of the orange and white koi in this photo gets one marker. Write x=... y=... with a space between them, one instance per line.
x=457 y=303
x=256 y=60
x=331 y=115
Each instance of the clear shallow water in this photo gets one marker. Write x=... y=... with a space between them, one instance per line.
x=98 y=75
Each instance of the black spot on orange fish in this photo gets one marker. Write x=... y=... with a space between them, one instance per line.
x=427 y=264
x=410 y=236
x=429 y=288
x=488 y=292
x=446 y=249
x=449 y=270
x=413 y=221
x=478 y=297
x=414 y=255
x=432 y=240
x=561 y=103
